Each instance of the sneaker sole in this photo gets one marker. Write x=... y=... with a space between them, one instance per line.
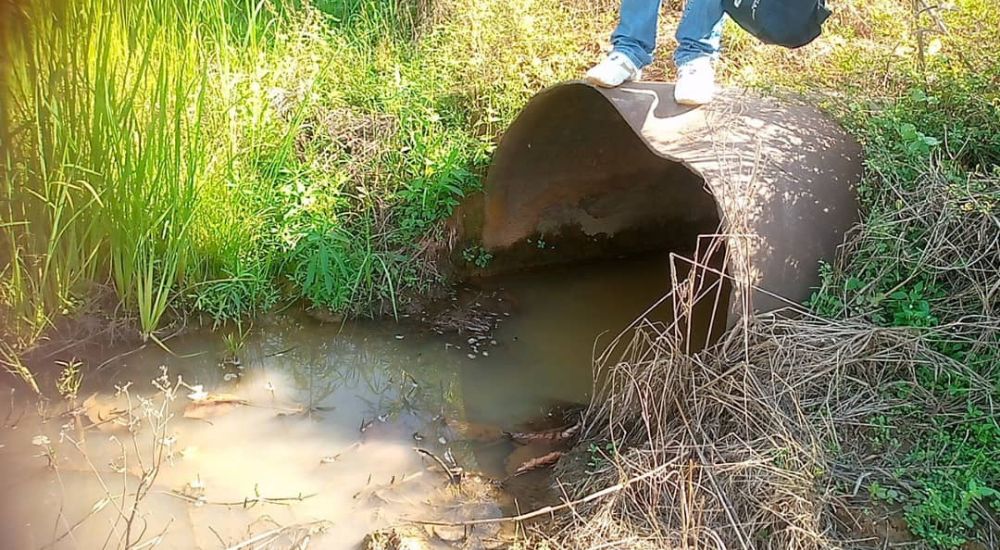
x=602 y=84
x=694 y=101
x=691 y=102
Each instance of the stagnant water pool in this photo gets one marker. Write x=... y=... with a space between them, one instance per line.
x=313 y=429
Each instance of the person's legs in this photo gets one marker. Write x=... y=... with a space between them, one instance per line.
x=699 y=33
x=636 y=33
x=634 y=41
x=699 y=39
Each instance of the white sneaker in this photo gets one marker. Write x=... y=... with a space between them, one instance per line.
x=695 y=82
x=614 y=71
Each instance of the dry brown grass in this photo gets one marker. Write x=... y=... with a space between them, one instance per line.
x=765 y=437
x=767 y=440
x=957 y=222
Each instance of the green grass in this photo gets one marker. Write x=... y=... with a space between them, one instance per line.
x=924 y=257
x=220 y=157
x=103 y=150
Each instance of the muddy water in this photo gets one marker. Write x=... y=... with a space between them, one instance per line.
x=309 y=434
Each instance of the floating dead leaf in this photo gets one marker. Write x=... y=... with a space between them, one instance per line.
x=473 y=431
x=543 y=461
x=450 y=533
x=198 y=393
x=214 y=404
x=104 y=416
x=524 y=453
x=333 y=458
x=293 y=409
x=554 y=436
x=194 y=489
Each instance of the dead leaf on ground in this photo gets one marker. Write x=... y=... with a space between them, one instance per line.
x=214 y=404
x=104 y=416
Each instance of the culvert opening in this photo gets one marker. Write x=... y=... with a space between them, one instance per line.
x=592 y=197
x=575 y=191
x=586 y=174
x=571 y=182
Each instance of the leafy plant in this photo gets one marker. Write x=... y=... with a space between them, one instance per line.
x=599 y=455
x=201 y=156
x=478 y=256
x=886 y=494
x=910 y=308
x=934 y=143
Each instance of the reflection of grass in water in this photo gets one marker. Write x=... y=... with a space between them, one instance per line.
x=370 y=367
x=125 y=444
x=235 y=341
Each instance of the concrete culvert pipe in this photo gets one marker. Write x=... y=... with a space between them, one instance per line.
x=600 y=173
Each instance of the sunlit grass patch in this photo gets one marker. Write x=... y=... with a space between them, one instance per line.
x=189 y=152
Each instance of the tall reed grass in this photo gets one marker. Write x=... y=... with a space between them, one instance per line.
x=184 y=156
x=102 y=154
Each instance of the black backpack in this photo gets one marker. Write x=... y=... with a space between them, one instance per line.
x=788 y=23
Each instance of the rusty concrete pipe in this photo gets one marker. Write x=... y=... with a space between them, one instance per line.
x=774 y=179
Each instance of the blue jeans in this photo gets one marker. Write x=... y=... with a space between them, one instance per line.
x=699 y=33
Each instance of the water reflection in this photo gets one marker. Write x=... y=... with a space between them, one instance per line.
x=329 y=419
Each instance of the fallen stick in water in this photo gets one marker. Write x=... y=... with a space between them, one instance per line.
x=454 y=474
x=336 y=457
x=269 y=536
x=247 y=502
x=556 y=435
x=551 y=509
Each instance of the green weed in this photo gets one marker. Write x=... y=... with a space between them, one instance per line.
x=599 y=455
x=478 y=256
x=958 y=469
x=934 y=145
x=929 y=123
x=885 y=494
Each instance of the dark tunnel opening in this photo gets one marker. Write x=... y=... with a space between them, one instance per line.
x=572 y=184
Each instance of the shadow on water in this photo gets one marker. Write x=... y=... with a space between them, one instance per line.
x=322 y=423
